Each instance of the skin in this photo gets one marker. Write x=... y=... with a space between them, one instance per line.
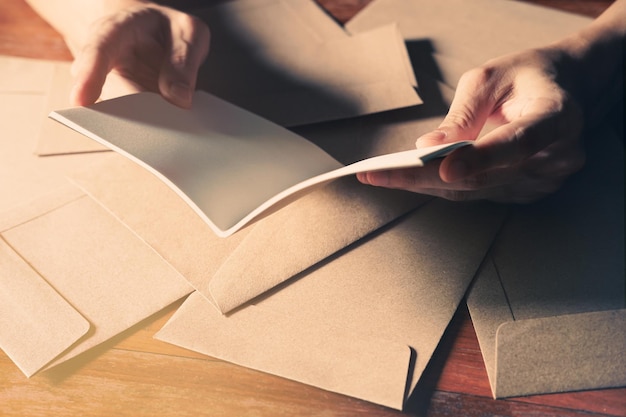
x=536 y=102
x=125 y=46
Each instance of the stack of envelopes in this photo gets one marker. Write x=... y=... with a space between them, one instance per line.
x=348 y=287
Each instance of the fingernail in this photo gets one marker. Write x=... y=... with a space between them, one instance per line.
x=458 y=169
x=430 y=138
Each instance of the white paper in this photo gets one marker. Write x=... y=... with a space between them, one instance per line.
x=228 y=164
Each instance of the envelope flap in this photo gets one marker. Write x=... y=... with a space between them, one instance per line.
x=489 y=308
x=289 y=87
x=527 y=361
x=323 y=222
x=374 y=370
x=94 y=262
x=37 y=324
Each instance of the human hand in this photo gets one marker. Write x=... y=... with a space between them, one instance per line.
x=140 y=46
x=535 y=143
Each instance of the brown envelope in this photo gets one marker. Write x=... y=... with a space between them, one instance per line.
x=470 y=32
x=242 y=25
x=339 y=325
x=104 y=277
x=274 y=70
x=29 y=334
x=25 y=75
x=23 y=175
x=334 y=360
x=549 y=308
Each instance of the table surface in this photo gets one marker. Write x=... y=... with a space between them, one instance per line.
x=136 y=375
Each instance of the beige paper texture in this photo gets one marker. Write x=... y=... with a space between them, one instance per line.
x=25 y=75
x=469 y=32
x=400 y=286
x=243 y=25
x=23 y=175
x=337 y=361
x=37 y=323
x=549 y=308
x=100 y=267
x=274 y=71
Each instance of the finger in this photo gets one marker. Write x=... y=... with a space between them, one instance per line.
x=505 y=146
x=90 y=70
x=95 y=60
x=472 y=104
x=189 y=46
x=410 y=179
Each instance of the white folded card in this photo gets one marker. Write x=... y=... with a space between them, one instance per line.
x=228 y=164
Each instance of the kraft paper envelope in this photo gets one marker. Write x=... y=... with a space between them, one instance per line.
x=29 y=334
x=274 y=70
x=549 y=308
x=100 y=269
x=315 y=82
x=23 y=175
x=472 y=32
x=229 y=165
x=243 y=25
x=54 y=139
x=347 y=324
x=25 y=75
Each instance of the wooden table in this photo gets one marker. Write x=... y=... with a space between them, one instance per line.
x=135 y=375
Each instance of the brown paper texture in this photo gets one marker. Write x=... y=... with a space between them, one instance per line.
x=37 y=323
x=24 y=175
x=400 y=286
x=468 y=32
x=549 y=306
x=25 y=75
x=274 y=70
x=95 y=263
x=264 y=340
x=243 y=25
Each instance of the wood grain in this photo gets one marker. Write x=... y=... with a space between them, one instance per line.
x=136 y=375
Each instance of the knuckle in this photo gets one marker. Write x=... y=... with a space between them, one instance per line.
x=478 y=76
x=460 y=118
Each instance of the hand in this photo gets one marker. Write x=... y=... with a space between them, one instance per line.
x=141 y=47
x=533 y=147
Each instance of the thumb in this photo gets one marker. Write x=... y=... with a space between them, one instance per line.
x=470 y=108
